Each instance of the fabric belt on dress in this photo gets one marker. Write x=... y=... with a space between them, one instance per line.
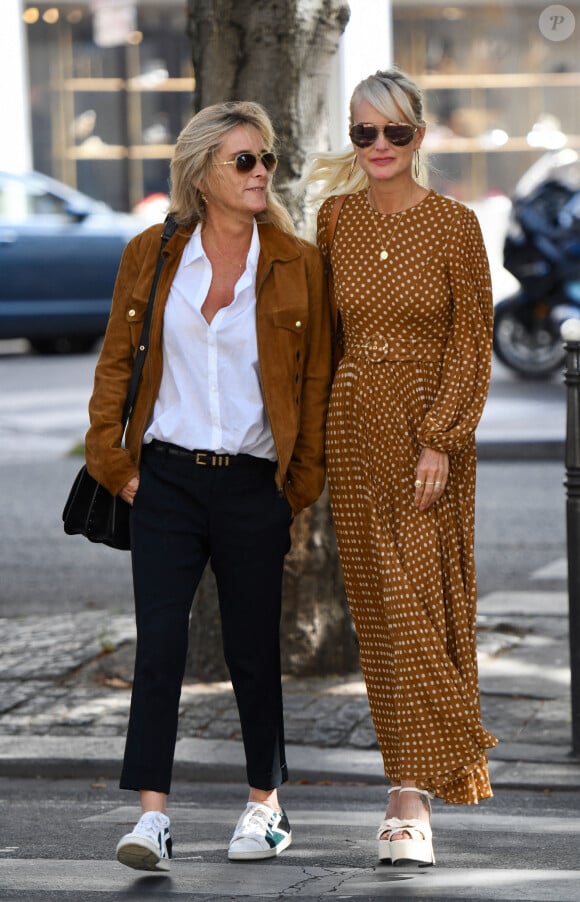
x=378 y=349
x=201 y=458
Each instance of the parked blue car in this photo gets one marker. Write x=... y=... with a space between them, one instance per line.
x=59 y=255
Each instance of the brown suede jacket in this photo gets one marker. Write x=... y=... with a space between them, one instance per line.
x=293 y=328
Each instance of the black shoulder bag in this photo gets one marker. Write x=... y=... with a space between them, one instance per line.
x=90 y=509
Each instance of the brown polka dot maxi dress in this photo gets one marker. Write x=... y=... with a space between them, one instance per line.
x=415 y=373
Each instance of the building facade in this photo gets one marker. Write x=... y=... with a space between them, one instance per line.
x=111 y=87
x=108 y=97
x=501 y=83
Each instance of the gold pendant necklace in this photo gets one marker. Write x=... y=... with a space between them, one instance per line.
x=227 y=260
x=384 y=254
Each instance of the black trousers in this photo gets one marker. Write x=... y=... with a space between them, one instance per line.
x=184 y=515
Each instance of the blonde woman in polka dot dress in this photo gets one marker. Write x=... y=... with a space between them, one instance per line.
x=412 y=285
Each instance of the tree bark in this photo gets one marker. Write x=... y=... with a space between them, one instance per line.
x=317 y=636
x=278 y=53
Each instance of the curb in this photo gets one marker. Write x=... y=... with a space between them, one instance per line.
x=539 y=449
x=532 y=768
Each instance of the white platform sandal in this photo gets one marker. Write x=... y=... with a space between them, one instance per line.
x=418 y=847
x=389 y=825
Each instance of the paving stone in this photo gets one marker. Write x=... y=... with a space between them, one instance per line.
x=70 y=675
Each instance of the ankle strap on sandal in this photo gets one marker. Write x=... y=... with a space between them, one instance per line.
x=421 y=792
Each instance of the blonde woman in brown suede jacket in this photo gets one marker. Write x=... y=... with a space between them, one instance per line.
x=224 y=446
x=293 y=335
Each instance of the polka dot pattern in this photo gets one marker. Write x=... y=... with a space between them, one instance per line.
x=409 y=575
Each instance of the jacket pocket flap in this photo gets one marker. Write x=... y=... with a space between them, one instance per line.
x=294 y=319
x=135 y=311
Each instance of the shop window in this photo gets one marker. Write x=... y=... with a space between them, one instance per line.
x=105 y=119
x=498 y=92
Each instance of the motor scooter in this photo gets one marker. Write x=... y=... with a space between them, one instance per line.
x=542 y=250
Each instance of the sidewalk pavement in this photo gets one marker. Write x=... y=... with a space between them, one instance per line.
x=64 y=702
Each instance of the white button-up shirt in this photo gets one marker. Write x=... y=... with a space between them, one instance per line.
x=210 y=395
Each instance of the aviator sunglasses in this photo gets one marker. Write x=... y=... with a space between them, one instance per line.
x=246 y=161
x=363 y=134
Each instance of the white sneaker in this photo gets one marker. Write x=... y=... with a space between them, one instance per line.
x=148 y=846
x=260 y=832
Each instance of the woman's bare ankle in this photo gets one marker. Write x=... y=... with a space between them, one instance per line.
x=413 y=805
x=393 y=803
x=153 y=801
x=267 y=797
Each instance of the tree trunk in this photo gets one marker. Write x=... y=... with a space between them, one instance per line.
x=278 y=53
x=317 y=636
x=317 y=633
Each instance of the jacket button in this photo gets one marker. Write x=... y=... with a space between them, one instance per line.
x=131 y=312
x=298 y=323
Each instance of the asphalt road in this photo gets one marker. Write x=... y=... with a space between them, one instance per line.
x=62 y=834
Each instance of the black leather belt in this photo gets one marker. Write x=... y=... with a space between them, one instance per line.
x=207 y=458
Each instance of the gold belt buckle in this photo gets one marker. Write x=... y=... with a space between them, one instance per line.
x=205 y=459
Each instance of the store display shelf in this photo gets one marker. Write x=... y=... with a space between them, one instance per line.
x=485 y=80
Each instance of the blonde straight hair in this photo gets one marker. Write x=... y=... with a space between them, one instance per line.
x=391 y=93
x=192 y=164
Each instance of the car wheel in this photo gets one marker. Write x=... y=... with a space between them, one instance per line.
x=66 y=344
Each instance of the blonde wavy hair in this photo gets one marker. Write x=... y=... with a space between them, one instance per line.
x=192 y=163
x=391 y=93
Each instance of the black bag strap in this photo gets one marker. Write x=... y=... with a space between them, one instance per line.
x=143 y=347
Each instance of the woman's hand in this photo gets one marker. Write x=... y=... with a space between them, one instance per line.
x=129 y=491
x=431 y=477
